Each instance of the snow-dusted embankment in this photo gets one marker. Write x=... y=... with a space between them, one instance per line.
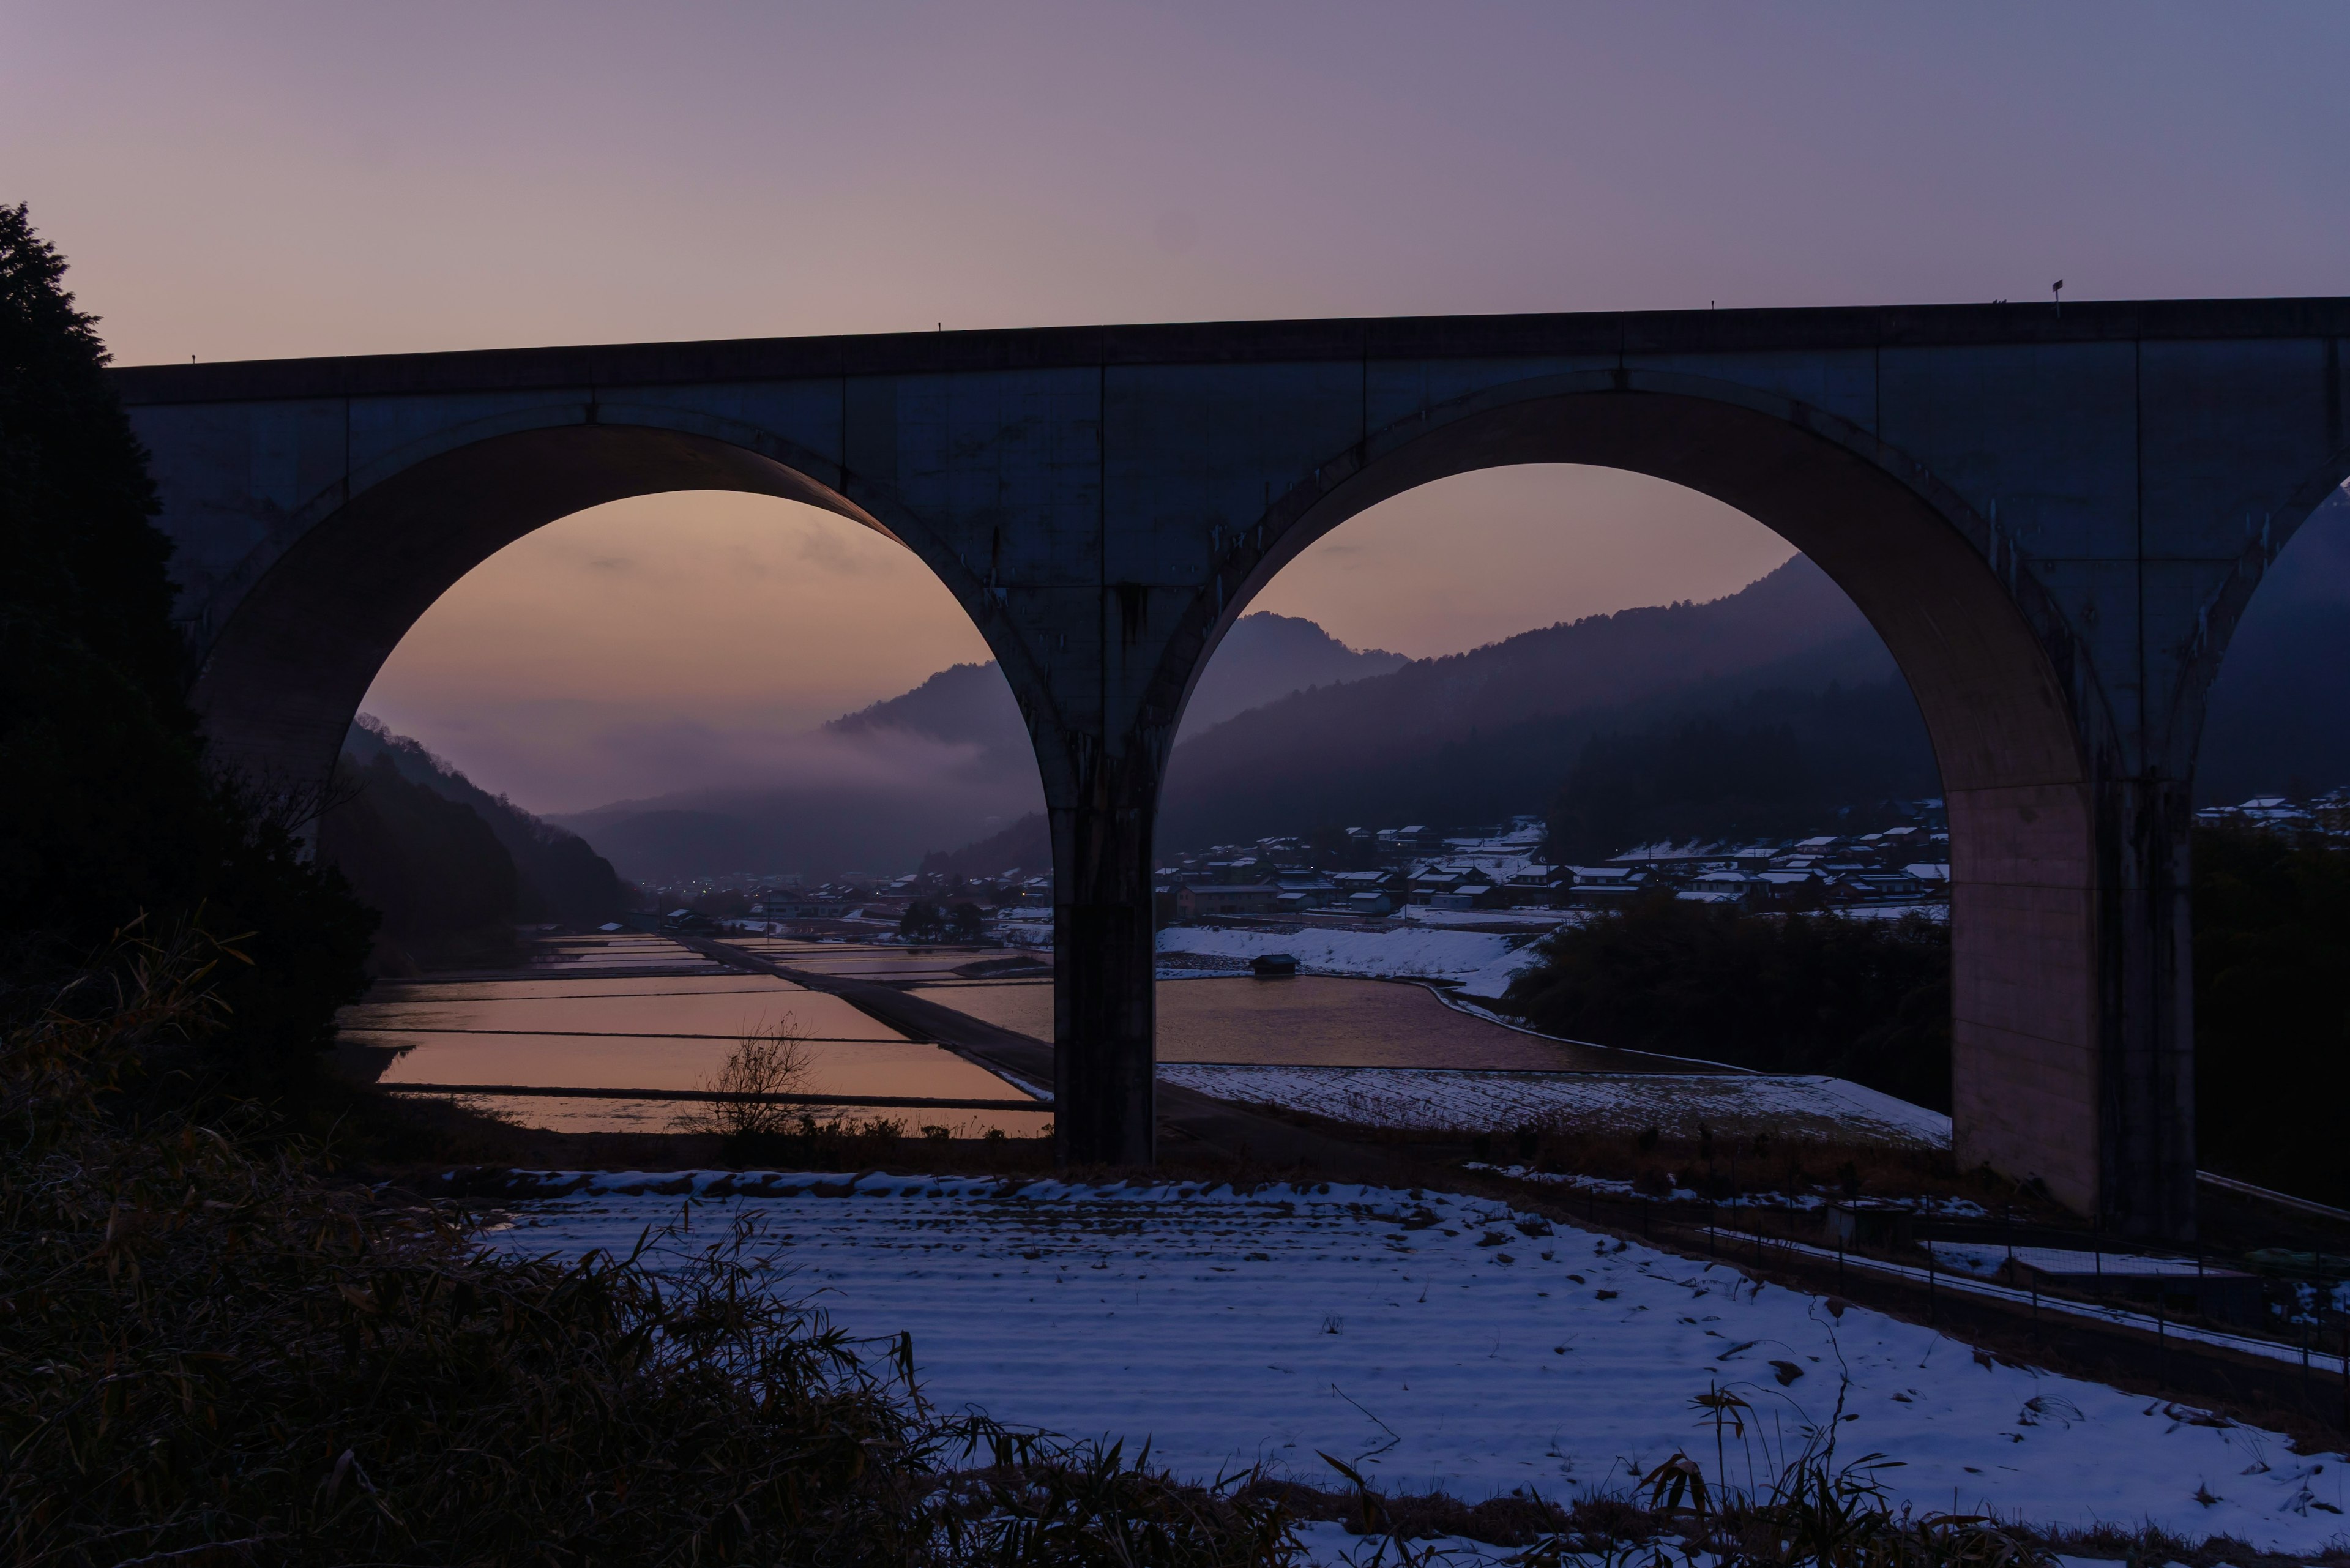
x=1471 y=1100
x=1439 y=1341
x=1406 y=953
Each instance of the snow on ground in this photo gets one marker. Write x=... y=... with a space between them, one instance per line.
x=1951 y=1208
x=1533 y=921
x=1935 y=911
x=1490 y=980
x=1981 y=1257
x=1435 y=1343
x=1378 y=954
x=1474 y=1100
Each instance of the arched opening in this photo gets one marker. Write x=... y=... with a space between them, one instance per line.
x=2032 y=1063
x=457 y=545
x=2272 y=869
x=284 y=670
x=2268 y=727
x=1620 y=694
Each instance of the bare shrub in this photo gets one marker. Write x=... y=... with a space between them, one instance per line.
x=767 y=1062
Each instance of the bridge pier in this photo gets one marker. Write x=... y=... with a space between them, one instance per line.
x=1105 y=957
x=2146 y=1109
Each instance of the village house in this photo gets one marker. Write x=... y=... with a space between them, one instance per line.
x=1201 y=901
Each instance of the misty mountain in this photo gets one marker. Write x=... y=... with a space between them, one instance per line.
x=866 y=801
x=1466 y=738
x=947 y=762
x=1290 y=730
x=963 y=705
x=1481 y=736
x=1264 y=658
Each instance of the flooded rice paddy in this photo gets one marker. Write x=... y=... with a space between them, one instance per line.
x=636 y=1011
x=641 y=1013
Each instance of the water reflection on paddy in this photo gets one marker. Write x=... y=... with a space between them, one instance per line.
x=654 y=1033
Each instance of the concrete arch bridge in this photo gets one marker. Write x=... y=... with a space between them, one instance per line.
x=2054 y=520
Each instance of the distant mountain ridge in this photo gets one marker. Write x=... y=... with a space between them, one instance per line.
x=1490 y=732
x=946 y=762
x=1266 y=657
x=1333 y=735
x=1288 y=729
x=963 y=705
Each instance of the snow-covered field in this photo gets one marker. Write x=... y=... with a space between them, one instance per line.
x=1435 y=1341
x=1380 y=955
x=1478 y=1101
x=1948 y=1208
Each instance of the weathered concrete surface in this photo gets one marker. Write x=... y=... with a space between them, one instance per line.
x=2055 y=520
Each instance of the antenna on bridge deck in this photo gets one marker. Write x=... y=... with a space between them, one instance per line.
x=2057 y=289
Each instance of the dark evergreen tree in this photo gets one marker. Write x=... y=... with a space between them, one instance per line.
x=2272 y=1008
x=108 y=812
x=1860 y=999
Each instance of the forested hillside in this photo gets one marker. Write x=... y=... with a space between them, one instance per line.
x=1484 y=734
x=1779 y=764
x=560 y=875
x=453 y=869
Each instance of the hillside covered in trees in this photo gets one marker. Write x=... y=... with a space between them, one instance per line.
x=453 y=868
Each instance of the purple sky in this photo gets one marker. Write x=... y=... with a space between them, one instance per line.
x=236 y=181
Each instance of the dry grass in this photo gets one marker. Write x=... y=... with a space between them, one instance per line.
x=208 y=1353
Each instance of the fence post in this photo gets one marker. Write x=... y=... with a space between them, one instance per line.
x=2161 y=1338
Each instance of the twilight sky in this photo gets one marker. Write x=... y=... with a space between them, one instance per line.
x=245 y=180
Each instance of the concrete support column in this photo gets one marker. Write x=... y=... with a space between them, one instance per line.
x=2148 y=1009
x=1104 y=959
x=2073 y=1048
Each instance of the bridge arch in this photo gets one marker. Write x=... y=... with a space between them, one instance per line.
x=2216 y=626
x=2017 y=723
x=292 y=641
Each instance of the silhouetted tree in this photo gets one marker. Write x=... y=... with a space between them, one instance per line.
x=1864 y=1000
x=107 y=809
x=2271 y=916
x=964 y=922
x=922 y=922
